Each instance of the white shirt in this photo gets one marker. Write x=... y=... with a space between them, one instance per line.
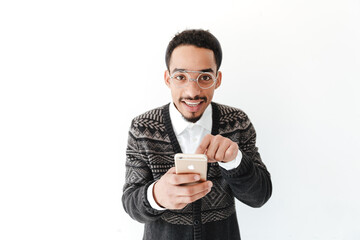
x=189 y=136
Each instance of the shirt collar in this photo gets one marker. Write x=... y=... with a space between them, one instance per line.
x=179 y=124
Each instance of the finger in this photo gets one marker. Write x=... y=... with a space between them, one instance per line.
x=231 y=152
x=220 y=153
x=183 y=178
x=171 y=171
x=177 y=179
x=193 y=198
x=204 y=144
x=191 y=190
x=213 y=147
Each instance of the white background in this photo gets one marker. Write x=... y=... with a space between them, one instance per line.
x=74 y=73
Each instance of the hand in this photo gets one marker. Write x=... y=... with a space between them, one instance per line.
x=218 y=148
x=169 y=193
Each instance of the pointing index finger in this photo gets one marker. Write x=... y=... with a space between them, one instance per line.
x=204 y=144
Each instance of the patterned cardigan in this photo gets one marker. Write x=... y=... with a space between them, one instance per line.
x=152 y=145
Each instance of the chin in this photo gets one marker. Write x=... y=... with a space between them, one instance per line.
x=192 y=118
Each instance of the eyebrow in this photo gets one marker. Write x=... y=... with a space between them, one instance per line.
x=203 y=70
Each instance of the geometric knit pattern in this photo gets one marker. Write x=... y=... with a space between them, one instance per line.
x=150 y=153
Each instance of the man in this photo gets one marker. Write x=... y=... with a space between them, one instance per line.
x=153 y=193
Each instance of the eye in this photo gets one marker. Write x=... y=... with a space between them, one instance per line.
x=179 y=77
x=205 y=77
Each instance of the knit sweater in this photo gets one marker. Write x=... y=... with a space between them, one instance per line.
x=152 y=145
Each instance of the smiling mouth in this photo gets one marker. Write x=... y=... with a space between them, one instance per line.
x=192 y=104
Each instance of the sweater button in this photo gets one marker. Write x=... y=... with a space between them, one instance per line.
x=196 y=222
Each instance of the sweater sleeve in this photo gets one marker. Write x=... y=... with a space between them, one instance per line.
x=138 y=178
x=250 y=181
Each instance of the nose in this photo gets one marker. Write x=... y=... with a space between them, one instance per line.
x=192 y=88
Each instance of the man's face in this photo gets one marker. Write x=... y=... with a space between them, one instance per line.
x=191 y=101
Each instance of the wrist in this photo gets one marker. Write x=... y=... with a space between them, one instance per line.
x=151 y=198
x=156 y=199
x=233 y=163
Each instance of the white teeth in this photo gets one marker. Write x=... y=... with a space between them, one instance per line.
x=192 y=104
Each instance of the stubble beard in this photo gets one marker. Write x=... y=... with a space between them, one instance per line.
x=193 y=119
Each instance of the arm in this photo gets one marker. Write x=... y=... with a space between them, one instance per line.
x=138 y=179
x=250 y=181
x=168 y=192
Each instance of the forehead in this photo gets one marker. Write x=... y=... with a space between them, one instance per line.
x=192 y=58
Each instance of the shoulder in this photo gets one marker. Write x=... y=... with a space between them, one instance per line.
x=232 y=116
x=227 y=112
x=152 y=118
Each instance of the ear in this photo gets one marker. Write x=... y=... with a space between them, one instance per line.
x=218 y=81
x=167 y=78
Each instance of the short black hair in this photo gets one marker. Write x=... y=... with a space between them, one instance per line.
x=197 y=37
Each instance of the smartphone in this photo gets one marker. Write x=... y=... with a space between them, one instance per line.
x=191 y=163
